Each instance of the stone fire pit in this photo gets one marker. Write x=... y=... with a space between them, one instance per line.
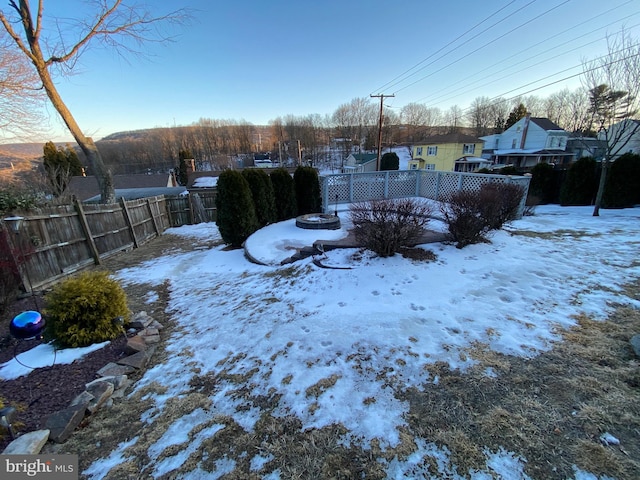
x=318 y=221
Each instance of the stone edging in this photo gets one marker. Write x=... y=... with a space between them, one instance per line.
x=110 y=385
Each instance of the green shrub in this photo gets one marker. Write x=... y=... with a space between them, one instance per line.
x=390 y=161
x=581 y=184
x=622 y=189
x=83 y=310
x=307 y=185
x=385 y=226
x=262 y=195
x=284 y=193
x=236 y=215
x=508 y=170
x=542 y=184
x=16 y=199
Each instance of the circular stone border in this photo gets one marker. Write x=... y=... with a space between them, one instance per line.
x=318 y=221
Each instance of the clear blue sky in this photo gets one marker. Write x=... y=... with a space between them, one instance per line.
x=257 y=60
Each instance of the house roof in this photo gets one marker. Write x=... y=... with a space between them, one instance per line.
x=364 y=157
x=86 y=187
x=545 y=123
x=450 y=138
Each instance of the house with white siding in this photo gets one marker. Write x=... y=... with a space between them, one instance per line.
x=531 y=140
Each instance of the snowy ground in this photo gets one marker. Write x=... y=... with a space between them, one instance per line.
x=298 y=329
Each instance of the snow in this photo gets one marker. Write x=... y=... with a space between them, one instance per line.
x=41 y=356
x=319 y=339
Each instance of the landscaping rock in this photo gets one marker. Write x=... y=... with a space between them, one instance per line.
x=635 y=344
x=140 y=320
x=156 y=324
x=118 y=381
x=135 y=344
x=28 y=444
x=101 y=392
x=63 y=423
x=113 y=369
x=84 y=398
x=137 y=360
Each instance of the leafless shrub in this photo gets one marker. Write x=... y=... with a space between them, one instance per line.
x=471 y=214
x=384 y=226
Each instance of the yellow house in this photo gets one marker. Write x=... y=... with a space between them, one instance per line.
x=440 y=152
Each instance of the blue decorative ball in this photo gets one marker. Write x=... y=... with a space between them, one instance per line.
x=26 y=325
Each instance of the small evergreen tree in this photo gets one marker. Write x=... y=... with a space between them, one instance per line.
x=60 y=164
x=183 y=166
x=542 y=184
x=236 y=216
x=262 y=195
x=390 y=161
x=581 y=184
x=307 y=185
x=622 y=189
x=284 y=194
x=516 y=114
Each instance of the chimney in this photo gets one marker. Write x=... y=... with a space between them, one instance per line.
x=525 y=129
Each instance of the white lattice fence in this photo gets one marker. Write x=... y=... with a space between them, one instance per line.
x=360 y=187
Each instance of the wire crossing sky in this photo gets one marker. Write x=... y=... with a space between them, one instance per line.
x=254 y=61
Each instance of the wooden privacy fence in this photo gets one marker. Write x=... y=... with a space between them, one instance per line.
x=54 y=242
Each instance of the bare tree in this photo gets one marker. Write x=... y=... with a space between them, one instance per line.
x=115 y=24
x=20 y=93
x=454 y=118
x=613 y=83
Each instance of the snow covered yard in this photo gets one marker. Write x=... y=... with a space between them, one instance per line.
x=274 y=371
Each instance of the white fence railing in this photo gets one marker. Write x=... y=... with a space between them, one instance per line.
x=360 y=187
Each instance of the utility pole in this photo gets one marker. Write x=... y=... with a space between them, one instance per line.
x=381 y=97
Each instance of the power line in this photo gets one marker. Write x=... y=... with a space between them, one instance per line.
x=434 y=96
x=393 y=82
x=485 y=45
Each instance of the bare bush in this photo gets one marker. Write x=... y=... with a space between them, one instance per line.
x=384 y=226
x=471 y=214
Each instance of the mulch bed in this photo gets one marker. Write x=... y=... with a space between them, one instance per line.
x=45 y=390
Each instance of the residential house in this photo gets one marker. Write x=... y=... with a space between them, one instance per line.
x=360 y=162
x=129 y=187
x=587 y=147
x=526 y=143
x=623 y=137
x=441 y=152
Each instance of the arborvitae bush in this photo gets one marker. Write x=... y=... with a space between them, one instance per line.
x=284 y=193
x=471 y=214
x=262 y=195
x=86 y=309
x=622 y=189
x=236 y=215
x=385 y=226
x=390 y=161
x=581 y=184
x=542 y=184
x=307 y=186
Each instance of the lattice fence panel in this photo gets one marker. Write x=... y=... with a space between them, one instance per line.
x=368 y=187
x=338 y=186
x=474 y=183
x=402 y=184
x=448 y=184
x=428 y=185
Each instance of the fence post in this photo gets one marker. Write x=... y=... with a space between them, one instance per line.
x=87 y=232
x=191 y=213
x=153 y=217
x=127 y=219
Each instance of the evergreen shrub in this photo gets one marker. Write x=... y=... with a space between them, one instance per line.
x=284 y=194
x=85 y=309
x=390 y=161
x=581 y=183
x=622 y=189
x=236 y=215
x=262 y=195
x=542 y=184
x=307 y=186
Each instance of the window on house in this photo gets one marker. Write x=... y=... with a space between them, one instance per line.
x=418 y=151
x=413 y=166
x=432 y=151
x=430 y=166
x=513 y=143
x=469 y=148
